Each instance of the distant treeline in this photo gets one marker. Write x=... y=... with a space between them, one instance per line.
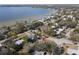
x=43 y=5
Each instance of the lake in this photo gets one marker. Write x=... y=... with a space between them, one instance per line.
x=10 y=13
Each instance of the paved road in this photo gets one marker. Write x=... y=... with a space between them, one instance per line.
x=2 y=41
x=20 y=35
x=60 y=41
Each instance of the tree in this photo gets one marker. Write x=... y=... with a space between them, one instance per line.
x=51 y=32
x=32 y=38
x=62 y=23
x=19 y=27
x=71 y=24
x=74 y=35
x=14 y=34
x=26 y=24
x=25 y=38
x=68 y=22
x=35 y=24
x=58 y=51
x=45 y=46
x=76 y=30
x=31 y=51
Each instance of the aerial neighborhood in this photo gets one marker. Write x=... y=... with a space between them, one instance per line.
x=56 y=34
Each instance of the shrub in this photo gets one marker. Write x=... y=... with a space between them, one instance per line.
x=45 y=46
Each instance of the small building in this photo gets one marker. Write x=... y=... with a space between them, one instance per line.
x=60 y=30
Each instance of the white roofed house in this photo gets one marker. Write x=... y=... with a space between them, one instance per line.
x=70 y=16
x=60 y=32
x=71 y=12
x=51 y=17
x=73 y=19
x=64 y=18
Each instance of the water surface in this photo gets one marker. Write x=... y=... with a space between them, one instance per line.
x=11 y=13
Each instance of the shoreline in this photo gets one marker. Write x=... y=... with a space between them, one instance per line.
x=27 y=18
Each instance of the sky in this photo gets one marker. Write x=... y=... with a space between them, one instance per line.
x=39 y=1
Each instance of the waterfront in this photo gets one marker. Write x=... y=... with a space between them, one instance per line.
x=9 y=15
x=54 y=34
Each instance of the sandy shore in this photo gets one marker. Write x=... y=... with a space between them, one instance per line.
x=28 y=18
